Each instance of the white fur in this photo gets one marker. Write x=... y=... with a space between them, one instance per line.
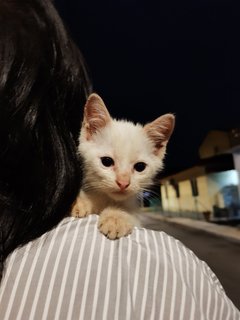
x=112 y=191
x=126 y=144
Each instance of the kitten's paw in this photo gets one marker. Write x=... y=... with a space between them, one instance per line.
x=115 y=223
x=81 y=208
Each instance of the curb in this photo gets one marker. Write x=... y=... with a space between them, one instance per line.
x=230 y=233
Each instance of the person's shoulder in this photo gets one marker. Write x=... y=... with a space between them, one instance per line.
x=139 y=235
x=147 y=238
x=76 y=234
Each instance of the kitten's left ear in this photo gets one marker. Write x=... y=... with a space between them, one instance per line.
x=96 y=115
x=160 y=130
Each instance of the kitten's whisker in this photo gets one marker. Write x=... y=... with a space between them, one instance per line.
x=92 y=186
x=151 y=194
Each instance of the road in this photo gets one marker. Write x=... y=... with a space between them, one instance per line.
x=222 y=255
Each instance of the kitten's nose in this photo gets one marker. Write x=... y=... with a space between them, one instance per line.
x=123 y=184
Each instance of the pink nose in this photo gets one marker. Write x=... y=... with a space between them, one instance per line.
x=122 y=184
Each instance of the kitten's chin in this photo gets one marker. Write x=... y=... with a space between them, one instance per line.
x=120 y=195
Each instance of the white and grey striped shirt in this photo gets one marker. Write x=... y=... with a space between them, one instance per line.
x=74 y=272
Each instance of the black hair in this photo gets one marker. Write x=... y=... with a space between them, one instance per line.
x=43 y=86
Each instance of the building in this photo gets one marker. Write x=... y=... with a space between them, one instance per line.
x=211 y=189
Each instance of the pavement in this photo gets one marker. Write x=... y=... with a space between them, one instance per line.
x=228 y=232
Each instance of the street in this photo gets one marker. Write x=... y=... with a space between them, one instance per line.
x=222 y=255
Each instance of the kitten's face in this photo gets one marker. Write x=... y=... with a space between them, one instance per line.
x=120 y=158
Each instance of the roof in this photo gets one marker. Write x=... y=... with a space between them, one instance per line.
x=206 y=166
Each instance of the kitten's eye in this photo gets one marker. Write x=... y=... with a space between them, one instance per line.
x=140 y=166
x=107 y=161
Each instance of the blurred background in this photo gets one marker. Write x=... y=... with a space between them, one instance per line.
x=150 y=57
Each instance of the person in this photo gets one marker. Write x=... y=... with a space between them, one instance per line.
x=43 y=84
x=54 y=266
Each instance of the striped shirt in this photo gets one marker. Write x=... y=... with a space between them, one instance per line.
x=74 y=272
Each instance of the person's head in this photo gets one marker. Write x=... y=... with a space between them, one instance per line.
x=43 y=86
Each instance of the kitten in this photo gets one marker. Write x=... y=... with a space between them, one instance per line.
x=120 y=159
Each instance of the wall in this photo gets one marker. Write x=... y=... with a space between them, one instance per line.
x=215 y=143
x=217 y=182
x=236 y=159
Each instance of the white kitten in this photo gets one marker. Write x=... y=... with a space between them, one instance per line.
x=120 y=159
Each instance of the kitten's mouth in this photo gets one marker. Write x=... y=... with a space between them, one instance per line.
x=121 y=195
x=121 y=192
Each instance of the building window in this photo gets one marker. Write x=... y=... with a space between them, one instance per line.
x=194 y=187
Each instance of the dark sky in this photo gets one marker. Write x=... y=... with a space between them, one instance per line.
x=149 y=57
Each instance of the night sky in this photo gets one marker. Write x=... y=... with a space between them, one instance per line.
x=147 y=58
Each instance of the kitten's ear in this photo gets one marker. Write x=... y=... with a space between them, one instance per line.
x=159 y=131
x=96 y=115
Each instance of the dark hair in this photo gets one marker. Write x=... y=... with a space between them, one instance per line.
x=43 y=86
